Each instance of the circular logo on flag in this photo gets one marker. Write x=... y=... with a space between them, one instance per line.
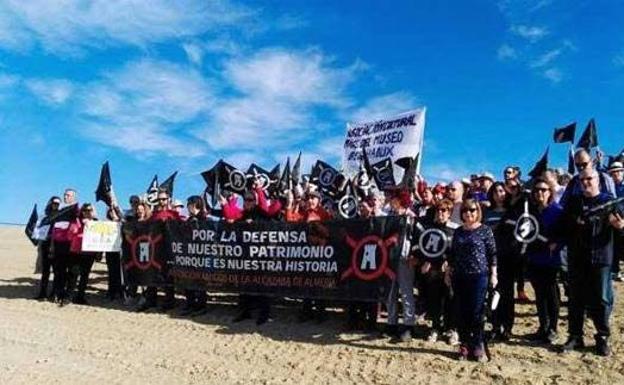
x=527 y=228
x=326 y=177
x=385 y=176
x=363 y=181
x=347 y=206
x=432 y=243
x=264 y=180
x=237 y=180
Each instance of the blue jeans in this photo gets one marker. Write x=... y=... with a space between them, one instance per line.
x=470 y=291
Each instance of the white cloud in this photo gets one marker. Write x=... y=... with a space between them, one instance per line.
x=146 y=107
x=279 y=91
x=506 y=52
x=301 y=77
x=194 y=53
x=530 y=33
x=546 y=58
x=7 y=83
x=553 y=74
x=62 y=26
x=51 y=91
x=383 y=106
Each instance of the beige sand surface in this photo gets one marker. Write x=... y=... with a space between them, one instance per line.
x=106 y=344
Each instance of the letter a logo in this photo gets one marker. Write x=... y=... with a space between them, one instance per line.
x=369 y=261
x=433 y=243
x=144 y=251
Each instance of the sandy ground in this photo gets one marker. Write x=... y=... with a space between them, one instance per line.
x=105 y=343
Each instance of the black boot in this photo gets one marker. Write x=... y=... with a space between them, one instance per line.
x=602 y=346
x=573 y=343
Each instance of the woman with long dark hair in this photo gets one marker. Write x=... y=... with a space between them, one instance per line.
x=544 y=259
x=472 y=263
x=43 y=247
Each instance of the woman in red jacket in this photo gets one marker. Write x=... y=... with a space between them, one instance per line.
x=82 y=261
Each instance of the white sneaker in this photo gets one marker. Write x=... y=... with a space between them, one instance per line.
x=433 y=336
x=454 y=338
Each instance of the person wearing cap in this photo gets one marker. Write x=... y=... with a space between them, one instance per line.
x=403 y=285
x=616 y=171
x=590 y=255
x=179 y=207
x=552 y=178
x=487 y=180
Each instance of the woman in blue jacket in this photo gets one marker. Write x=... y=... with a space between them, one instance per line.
x=544 y=259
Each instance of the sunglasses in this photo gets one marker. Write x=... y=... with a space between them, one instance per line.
x=56 y=203
x=508 y=172
x=587 y=179
x=581 y=166
x=443 y=210
x=162 y=199
x=469 y=210
x=87 y=210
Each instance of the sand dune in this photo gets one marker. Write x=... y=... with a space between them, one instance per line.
x=105 y=343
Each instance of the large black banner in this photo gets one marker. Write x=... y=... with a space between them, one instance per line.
x=343 y=259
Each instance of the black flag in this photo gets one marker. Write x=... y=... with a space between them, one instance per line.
x=589 y=138
x=211 y=177
x=104 y=191
x=167 y=185
x=410 y=165
x=296 y=171
x=152 y=191
x=231 y=179
x=30 y=226
x=571 y=168
x=285 y=182
x=540 y=166
x=66 y=214
x=258 y=174
x=565 y=134
x=323 y=175
x=383 y=173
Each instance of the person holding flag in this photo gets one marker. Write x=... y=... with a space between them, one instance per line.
x=61 y=244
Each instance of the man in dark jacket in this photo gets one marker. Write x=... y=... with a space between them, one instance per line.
x=590 y=256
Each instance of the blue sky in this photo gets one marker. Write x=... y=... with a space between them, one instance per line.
x=158 y=86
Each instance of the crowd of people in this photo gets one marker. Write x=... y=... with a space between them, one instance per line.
x=479 y=275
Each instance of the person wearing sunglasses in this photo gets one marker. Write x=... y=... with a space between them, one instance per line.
x=544 y=258
x=455 y=192
x=436 y=294
x=162 y=212
x=590 y=255
x=82 y=261
x=43 y=246
x=583 y=162
x=472 y=264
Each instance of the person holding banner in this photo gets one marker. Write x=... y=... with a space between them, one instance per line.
x=472 y=261
x=113 y=260
x=195 y=299
x=82 y=261
x=403 y=285
x=257 y=208
x=44 y=244
x=162 y=212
